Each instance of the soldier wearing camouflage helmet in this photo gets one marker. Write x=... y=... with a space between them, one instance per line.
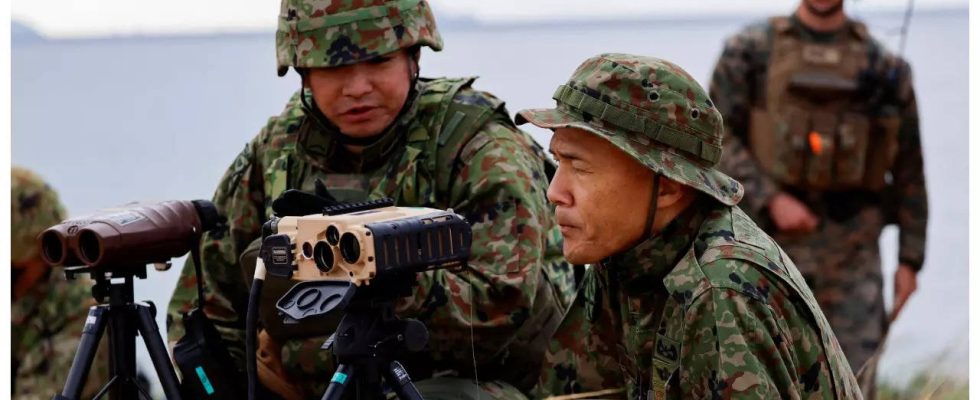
x=686 y=297
x=823 y=130
x=47 y=312
x=366 y=126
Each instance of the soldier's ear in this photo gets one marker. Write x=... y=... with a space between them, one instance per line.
x=672 y=193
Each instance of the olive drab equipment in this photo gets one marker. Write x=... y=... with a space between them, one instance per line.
x=818 y=127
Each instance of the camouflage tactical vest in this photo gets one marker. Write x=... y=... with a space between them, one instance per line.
x=750 y=245
x=817 y=128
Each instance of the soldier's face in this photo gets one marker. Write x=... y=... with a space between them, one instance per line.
x=601 y=196
x=364 y=98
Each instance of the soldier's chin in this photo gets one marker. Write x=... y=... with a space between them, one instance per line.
x=576 y=255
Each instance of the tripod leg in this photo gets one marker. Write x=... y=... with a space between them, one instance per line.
x=91 y=334
x=397 y=377
x=122 y=358
x=158 y=353
x=339 y=382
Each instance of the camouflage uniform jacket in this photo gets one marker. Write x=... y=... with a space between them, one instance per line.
x=739 y=82
x=46 y=326
x=493 y=176
x=708 y=308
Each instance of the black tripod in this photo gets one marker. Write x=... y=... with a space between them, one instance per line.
x=125 y=319
x=368 y=339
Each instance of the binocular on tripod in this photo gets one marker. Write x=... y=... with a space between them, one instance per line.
x=114 y=246
x=132 y=234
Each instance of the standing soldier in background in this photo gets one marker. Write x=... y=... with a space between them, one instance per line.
x=823 y=131
x=365 y=126
x=47 y=311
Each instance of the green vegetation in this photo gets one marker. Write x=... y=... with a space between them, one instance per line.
x=925 y=386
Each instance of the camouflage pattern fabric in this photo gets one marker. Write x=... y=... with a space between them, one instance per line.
x=840 y=260
x=710 y=306
x=648 y=108
x=315 y=34
x=46 y=326
x=46 y=323
x=34 y=207
x=496 y=179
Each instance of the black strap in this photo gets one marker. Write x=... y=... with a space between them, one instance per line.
x=196 y=259
x=652 y=212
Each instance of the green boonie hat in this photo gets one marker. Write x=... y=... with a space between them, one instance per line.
x=651 y=109
x=34 y=207
x=331 y=33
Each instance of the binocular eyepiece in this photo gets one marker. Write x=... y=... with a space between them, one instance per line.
x=132 y=234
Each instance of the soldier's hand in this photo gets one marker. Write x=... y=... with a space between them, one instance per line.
x=791 y=215
x=905 y=284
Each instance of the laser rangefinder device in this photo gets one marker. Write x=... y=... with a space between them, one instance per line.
x=361 y=242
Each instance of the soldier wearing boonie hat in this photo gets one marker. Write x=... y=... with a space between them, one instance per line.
x=686 y=297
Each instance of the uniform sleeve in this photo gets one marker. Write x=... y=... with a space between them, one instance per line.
x=734 y=348
x=500 y=188
x=239 y=198
x=731 y=89
x=909 y=182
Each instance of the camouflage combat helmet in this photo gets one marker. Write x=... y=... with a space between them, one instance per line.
x=34 y=207
x=651 y=109
x=330 y=33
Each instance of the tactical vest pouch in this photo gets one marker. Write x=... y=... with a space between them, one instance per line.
x=821 y=86
x=852 y=150
x=779 y=143
x=821 y=150
x=207 y=368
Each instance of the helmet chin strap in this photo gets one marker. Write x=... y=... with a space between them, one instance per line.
x=648 y=225
x=311 y=109
x=652 y=212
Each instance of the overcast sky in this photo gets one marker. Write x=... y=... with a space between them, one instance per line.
x=86 y=18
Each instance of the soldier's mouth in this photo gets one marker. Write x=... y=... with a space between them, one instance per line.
x=357 y=114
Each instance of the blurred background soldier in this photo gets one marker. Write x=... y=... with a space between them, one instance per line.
x=823 y=131
x=47 y=311
x=366 y=126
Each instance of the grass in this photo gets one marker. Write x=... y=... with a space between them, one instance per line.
x=925 y=386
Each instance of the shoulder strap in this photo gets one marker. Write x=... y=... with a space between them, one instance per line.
x=458 y=123
x=282 y=168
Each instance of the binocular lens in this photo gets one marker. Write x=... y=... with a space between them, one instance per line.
x=89 y=248
x=53 y=248
x=323 y=256
x=350 y=249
